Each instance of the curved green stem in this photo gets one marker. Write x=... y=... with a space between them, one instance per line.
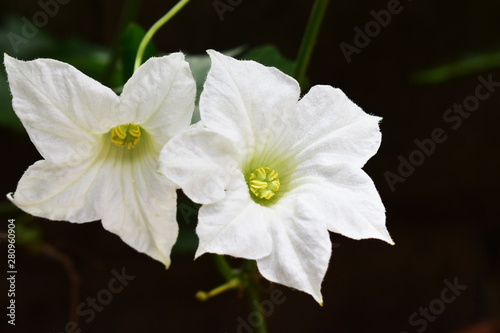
x=154 y=29
x=309 y=39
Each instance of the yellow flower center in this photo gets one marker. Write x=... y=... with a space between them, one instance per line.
x=264 y=183
x=126 y=135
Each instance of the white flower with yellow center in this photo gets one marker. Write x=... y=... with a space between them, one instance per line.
x=100 y=150
x=275 y=173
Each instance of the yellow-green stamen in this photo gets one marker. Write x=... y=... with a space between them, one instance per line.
x=264 y=183
x=126 y=135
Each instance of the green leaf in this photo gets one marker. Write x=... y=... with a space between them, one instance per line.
x=269 y=55
x=470 y=65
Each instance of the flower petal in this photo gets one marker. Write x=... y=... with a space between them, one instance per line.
x=201 y=162
x=63 y=110
x=140 y=205
x=348 y=200
x=329 y=128
x=301 y=248
x=160 y=97
x=236 y=225
x=243 y=100
x=71 y=193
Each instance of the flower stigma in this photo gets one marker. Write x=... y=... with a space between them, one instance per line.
x=264 y=183
x=126 y=135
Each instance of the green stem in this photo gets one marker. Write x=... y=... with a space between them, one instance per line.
x=231 y=284
x=224 y=267
x=246 y=277
x=171 y=13
x=253 y=294
x=309 y=39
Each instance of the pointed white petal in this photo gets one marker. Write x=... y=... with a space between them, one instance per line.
x=245 y=101
x=201 y=162
x=348 y=200
x=70 y=193
x=139 y=204
x=160 y=97
x=329 y=128
x=63 y=110
x=236 y=225
x=301 y=248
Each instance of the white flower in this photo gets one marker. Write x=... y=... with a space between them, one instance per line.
x=100 y=151
x=274 y=174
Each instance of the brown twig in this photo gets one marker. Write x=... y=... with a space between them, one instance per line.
x=69 y=267
x=73 y=277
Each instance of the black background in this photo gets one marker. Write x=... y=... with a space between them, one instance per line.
x=443 y=217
